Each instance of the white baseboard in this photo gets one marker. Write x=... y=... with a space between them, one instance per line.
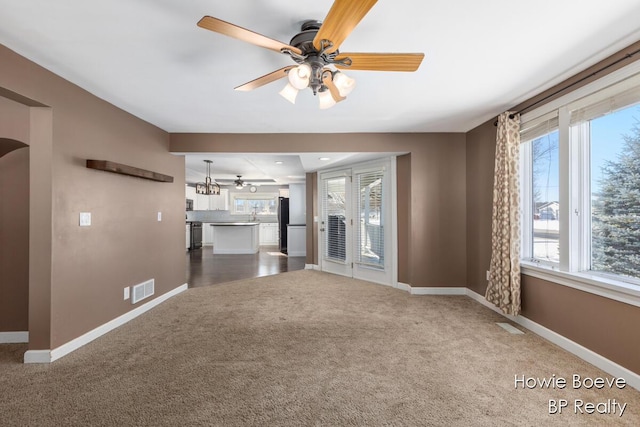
x=312 y=267
x=404 y=287
x=37 y=356
x=14 y=337
x=298 y=253
x=573 y=347
x=48 y=356
x=438 y=291
x=432 y=290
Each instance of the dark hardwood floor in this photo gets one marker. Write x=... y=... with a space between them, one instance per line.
x=204 y=268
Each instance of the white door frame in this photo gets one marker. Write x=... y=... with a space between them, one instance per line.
x=391 y=237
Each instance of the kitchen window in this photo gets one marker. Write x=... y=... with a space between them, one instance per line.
x=258 y=204
x=580 y=190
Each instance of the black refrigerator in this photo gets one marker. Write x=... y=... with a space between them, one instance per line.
x=283 y=222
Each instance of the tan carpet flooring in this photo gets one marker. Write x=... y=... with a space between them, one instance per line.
x=303 y=348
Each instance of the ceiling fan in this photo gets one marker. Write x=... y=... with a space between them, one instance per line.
x=239 y=183
x=315 y=50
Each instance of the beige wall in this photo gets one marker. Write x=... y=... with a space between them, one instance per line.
x=608 y=327
x=403 y=191
x=14 y=240
x=435 y=254
x=312 y=212
x=481 y=147
x=605 y=326
x=88 y=267
x=14 y=120
x=14 y=216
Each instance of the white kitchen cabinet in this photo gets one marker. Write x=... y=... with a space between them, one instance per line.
x=220 y=202
x=190 y=192
x=207 y=234
x=204 y=202
x=201 y=203
x=268 y=233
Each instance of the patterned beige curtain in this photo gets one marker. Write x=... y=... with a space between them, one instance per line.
x=504 y=278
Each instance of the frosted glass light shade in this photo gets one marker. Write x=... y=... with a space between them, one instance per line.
x=344 y=83
x=299 y=76
x=289 y=93
x=326 y=100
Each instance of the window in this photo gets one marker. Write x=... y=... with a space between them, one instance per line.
x=258 y=204
x=546 y=204
x=615 y=192
x=541 y=199
x=580 y=180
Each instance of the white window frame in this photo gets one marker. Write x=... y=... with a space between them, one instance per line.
x=575 y=193
x=526 y=205
x=256 y=196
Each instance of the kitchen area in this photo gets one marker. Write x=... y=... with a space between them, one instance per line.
x=243 y=230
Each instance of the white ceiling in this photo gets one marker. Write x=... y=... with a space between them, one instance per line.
x=149 y=58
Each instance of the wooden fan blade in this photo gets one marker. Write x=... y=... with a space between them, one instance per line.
x=342 y=18
x=381 y=61
x=231 y=30
x=266 y=79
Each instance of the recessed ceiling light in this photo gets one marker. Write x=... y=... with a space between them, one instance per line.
x=324 y=159
x=279 y=162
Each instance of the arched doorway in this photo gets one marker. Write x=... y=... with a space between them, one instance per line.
x=14 y=241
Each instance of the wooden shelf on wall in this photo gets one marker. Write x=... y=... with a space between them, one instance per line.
x=107 y=166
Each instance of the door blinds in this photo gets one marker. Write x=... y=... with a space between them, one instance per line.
x=369 y=211
x=335 y=209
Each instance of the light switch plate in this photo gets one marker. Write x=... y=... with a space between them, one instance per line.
x=126 y=293
x=85 y=219
x=159 y=216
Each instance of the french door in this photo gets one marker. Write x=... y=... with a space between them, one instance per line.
x=335 y=226
x=355 y=227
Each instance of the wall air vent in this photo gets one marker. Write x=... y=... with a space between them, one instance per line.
x=142 y=291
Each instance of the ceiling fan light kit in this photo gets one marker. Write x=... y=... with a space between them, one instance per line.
x=326 y=100
x=289 y=93
x=315 y=49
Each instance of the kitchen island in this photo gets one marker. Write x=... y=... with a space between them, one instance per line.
x=235 y=237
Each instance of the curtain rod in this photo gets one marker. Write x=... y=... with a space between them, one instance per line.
x=569 y=86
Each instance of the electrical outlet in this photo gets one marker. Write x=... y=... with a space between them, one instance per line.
x=159 y=216
x=85 y=219
x=488 y=274
x=126 y=293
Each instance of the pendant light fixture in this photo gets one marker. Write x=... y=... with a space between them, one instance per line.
x=208 y=187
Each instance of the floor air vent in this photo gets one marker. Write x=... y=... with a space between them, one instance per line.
x=142 y=291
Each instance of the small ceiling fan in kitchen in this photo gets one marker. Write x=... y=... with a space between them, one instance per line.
x=316 y=51
x=239 y=183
